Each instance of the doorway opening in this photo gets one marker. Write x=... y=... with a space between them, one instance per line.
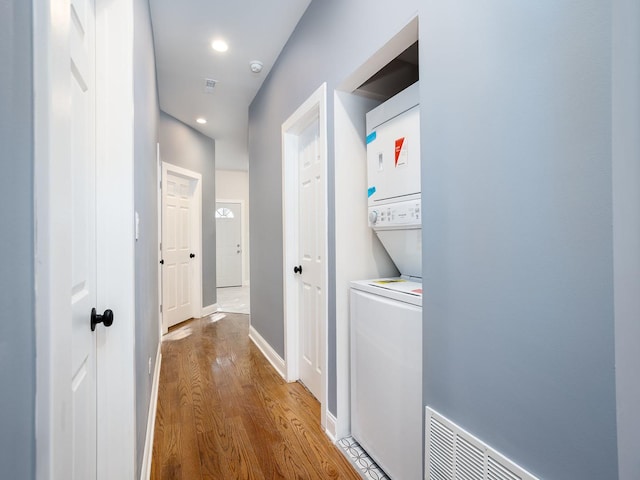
x=304 y=167
x=232 y=290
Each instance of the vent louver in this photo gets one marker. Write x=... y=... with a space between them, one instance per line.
x=454 y=454
x=470 y=462
x=498 y=472
x=441 y=451
x=209 y=84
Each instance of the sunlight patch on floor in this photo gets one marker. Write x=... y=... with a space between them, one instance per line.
x=178 y=334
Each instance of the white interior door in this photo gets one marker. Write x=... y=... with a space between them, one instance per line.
x=228 y=244
x=84 y=249
x=83 y=239
x=177 y=248
x=311 y=252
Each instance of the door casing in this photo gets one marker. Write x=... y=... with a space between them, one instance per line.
x=315 y=105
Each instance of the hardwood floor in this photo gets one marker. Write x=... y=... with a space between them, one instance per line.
x=224 y=412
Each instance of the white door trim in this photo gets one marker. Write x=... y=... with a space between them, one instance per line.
x=115 y=232
x=196 y=235
x=116 y=237
x=315 y=105
x=51 y=171
x=159 y=200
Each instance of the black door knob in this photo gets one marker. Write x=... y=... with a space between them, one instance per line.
x=162 y=262
x=106 y=318
x=297 y=269
x=192 y=255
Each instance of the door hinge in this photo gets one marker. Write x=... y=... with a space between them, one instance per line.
x=160 y=184
x=160 y=246
x=160 y=308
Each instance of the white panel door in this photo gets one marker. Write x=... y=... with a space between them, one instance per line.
x=311 y=252
x=83 y=239
x=177 y=249
x=228 y=244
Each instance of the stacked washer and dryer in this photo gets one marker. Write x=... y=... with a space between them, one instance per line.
x=386 y=313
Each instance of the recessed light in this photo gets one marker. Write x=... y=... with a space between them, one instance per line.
x=220 y=46
x=201 y=120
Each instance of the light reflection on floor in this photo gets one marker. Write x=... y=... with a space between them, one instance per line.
x=183 y=332
x=215 y=317
x=178 y=334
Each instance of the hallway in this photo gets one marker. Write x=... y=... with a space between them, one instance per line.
x=224 y=412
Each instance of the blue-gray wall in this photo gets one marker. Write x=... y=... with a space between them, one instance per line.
x=518 y=302
x=17 y=316
x=626 y=229
x=146 y=115
x=185 y=147
x=517 y=247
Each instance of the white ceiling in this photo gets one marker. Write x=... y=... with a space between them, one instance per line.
x=183 y=32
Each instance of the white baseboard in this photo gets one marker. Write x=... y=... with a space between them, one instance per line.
x=145 y=473
x=330 y=429
x=209 y=310
x=268 y=351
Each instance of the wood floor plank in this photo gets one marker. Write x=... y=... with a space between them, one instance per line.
x=225 y=413
x=261 y=433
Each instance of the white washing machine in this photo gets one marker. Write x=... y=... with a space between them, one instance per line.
x=386 y=314
x=386 y=374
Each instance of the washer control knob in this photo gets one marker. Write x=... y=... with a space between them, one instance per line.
x=373 y=217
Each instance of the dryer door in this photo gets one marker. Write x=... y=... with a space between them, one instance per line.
x=386 y=382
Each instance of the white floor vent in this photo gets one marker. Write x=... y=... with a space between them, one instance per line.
x=454 y=454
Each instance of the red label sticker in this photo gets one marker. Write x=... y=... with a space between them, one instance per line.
x=399 y=143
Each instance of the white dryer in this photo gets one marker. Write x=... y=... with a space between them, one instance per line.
x=393 y=175
x=386 y=314
x=386 y=375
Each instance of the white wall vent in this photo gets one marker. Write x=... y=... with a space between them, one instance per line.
x=209 y=84
x=454 y=454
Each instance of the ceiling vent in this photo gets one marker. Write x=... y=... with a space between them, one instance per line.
x=209 y=84
x=453 y=453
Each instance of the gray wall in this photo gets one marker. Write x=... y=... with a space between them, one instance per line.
x=517 y=247
x=17 y=317
x=183 y=146
x=518 y=303
x=146 y=114
x=626 y=229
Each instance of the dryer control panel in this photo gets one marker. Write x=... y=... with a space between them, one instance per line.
x=399 y=215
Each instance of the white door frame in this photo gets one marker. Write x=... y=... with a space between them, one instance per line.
x=242 y=232
x=196 y=236
x=159 y=201
x=315 y=105
x=115 y=233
